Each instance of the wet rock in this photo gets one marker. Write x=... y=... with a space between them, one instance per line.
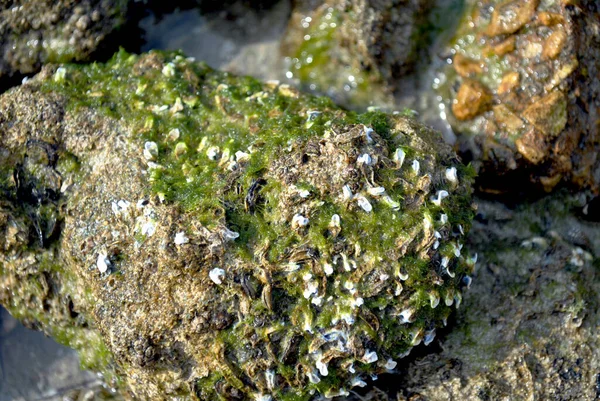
x=353 y=50
x=538 y=61
x=528 y=329
x=288 y=250
x=36 y=32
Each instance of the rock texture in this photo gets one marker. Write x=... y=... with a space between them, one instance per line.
x=35 y=32
x=527 y=328
x=353 y=50
x=523 y=90
x=198 y=235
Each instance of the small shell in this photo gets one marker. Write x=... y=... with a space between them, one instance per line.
x=150 y=150
x=399 y=156
x=416 y=166
x=216 y=275
x=364 y=203
x=370 y=356
x=102 y=263
x=181 y=239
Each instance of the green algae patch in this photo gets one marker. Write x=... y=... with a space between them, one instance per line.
x=234 y=239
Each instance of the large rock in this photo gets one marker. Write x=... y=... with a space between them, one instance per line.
x=523 y=89
x=201 y=235
x=34 y=32
x=353 y=50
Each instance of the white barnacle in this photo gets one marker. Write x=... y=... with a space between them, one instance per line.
x=347 y=268
x=148 y=228
x=416 y=337
x=311 y=288
x=270 y=379
x=368 y=131
x=216 y=275
x=457 y=248
x=437 y=236
x=390 y=364
x=451 y=175
x=406 y=315
x=180 y=149
x=150 y=150
x=437 y=199
x=335 y=221
x=434 y=299
x=299 y=221
x=60 y=74
x=322 y=367
x=364 y=203
x=232 y=165
x=317 y=301
x=347 y=192
x=181 y=239
x=313 y=114
x=357 y=302
x=402 y=275
x=313 y=377
x=102 y=262
x=399 y=156
x=262 y=397
x=390 y=202
x=376 y=191
x=213 y=152
x=416 y=166
x=444 y=218
x=398 y=289
x=429 y=336
x=230 y=235
x=120 y=206
x=304 y=193
x=241 y=156
x=365 y=159
x=328 y=269
x=174 y=134
x=357 y=382
x=168 y=70
x=370 y=356
x=449 y=298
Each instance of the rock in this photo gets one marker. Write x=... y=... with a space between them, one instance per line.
x=35 y=32
x=287 y=249
x=353 y=50
x=539 y=62
x=529 y=325
x=527 y=328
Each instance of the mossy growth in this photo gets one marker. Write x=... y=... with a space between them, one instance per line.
x=342 y=230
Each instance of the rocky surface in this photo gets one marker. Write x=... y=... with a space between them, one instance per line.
x=35 y=32
x=353 y=50
x=199 y=235
x=523 y=91
x=527 y=328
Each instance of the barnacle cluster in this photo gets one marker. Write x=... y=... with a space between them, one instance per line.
x=268 y=244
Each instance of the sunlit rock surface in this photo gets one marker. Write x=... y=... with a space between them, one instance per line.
x=523 y=89
x=199 y=235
